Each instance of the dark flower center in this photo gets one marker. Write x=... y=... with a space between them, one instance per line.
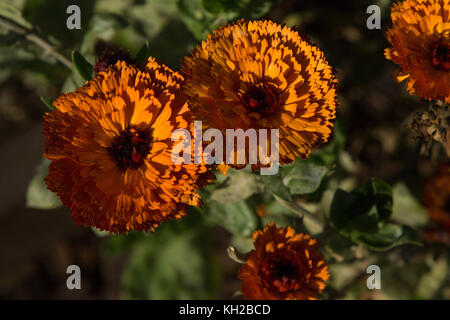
x=284 y=269
x=130 y=148
x=282 y=273
x=261 y=99
x=440 y=56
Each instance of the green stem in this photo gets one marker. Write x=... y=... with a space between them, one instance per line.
x=34 y=38
x=301 y=211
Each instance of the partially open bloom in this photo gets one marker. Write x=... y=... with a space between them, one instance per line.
x=283 y=265
x=420 y=39
x=437 y=196
x=110 y=146
x=110 y=57
x=261 y=75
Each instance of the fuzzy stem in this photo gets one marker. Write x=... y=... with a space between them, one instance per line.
x=34 y=38
x=300 y=211
x=233 y=255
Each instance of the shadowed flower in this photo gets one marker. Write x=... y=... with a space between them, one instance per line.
x=283 y=265
x=110 y=146
x=420 y=39
x=110 y=57
x=261 y=75
x=109 y=54
x=437 y=196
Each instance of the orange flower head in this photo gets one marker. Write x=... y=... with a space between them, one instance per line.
x=110 y=146
x=283 y=266
x=437 y=196
x=420 y=39
x=261 y=75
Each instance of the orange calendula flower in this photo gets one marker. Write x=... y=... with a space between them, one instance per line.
x=110 y=146
x=420 y=39
x=283 y=265
x=437 y=196
x=261 y=75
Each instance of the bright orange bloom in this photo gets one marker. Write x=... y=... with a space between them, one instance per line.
x=261 y=75
x=420 y=39
x=437 y=196
x=110 y=146
x=283 y=265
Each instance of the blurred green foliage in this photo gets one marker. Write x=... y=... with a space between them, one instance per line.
x=176 y=262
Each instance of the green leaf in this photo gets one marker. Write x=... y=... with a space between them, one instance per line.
x=303 y=177
x=362 y=215
x=48 y=102
x=341 y=207
x=251 y=9
x=339 y=246
x=277 y=211
x=274 y=183
x=239 y=185
x=367 y=222
x=430 y=282
x=407 y=210
x=238 y=217
x=82 y=66
x=175 y=262
x=257 y=8
x=142 y=54
x=311 y=222
x=215 y=6
x=284 y=220
x=38 y=196
x=363 y=208
x=379 y=193
x=388 y=236
x=195 y=17
x=12 y=13
x=242 y=244
x=281 y=193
